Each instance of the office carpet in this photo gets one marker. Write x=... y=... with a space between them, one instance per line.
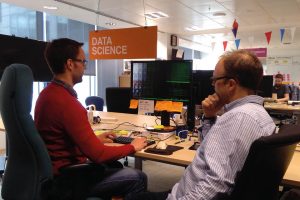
x=161 y=177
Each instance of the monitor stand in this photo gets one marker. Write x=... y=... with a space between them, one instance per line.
x=165 y=118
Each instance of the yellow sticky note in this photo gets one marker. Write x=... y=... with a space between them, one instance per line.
x=98 y=132
x=159 y=127
x=123 y=132
x=133 y=104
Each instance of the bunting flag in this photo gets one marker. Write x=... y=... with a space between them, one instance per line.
x=213 y=44
x=293 y=29
x=237 y=43
x=268 y=36
x=234 y=31
x=282 y=30
x=224 y=45
x=235 y=27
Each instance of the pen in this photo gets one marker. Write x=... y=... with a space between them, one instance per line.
x=179 y=141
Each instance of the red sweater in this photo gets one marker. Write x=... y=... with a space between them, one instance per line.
x=63 y=124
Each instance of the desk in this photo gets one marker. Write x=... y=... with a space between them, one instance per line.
x=292 y=174
x=2 y=128
x=184 y=156
x=284 y=109
x=140 y=121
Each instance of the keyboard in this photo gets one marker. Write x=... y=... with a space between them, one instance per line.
x=128 y=140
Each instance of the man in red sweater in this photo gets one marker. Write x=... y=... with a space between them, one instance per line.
x=63 y=124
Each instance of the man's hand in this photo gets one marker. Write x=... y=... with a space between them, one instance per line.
x=107 y=137
x=211 y=105
x=139 y=143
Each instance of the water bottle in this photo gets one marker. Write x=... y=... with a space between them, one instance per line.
x=90 y=113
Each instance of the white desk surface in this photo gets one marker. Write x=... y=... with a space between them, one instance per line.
x=184 y=157
x=2 y=128
x=181 y=157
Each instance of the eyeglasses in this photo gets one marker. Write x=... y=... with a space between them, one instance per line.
x=214 y=79
x=84 y=62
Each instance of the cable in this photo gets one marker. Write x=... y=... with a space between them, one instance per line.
x=118 y=125
x=145 y=13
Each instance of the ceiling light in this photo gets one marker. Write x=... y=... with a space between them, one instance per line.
x=193 y=28
x=110 y=24
x=156 y=15
x=219 y=14
x=51 y=7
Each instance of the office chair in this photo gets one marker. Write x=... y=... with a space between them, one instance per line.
x=293 y=194
x=28 y=173
x=28 y=168
x=265 y=165
x=97 y=101
x=118 y=100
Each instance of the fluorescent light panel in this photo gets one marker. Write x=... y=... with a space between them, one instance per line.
x=156 y=15
x=51 y=7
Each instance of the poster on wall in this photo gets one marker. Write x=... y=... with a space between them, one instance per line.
x=127 y=43
x=279 y=61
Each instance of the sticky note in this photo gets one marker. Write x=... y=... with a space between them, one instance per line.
x=98 y=132
x=163 y=105
x=133 y=104
x=177 y=106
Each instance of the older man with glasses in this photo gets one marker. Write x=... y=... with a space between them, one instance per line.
x=227 y=138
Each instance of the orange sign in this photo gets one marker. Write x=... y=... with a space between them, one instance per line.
x=125 y=43
x=169 y=106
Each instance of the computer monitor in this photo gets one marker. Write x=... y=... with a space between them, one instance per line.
x=162 y=80
x=168 y=80
x=202 y=86
x=25 y=51
x=266 y=85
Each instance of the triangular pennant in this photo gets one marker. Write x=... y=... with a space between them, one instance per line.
x=237 y=43
x=213 y=44
x=282 y=30
x=293 y=29
x=224 y=45
x=234 y=31
x=268 y=36
x=235 y=25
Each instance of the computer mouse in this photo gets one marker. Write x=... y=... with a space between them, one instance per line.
x=161 y=145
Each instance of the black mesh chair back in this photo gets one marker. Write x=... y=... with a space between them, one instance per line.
x=266 y=164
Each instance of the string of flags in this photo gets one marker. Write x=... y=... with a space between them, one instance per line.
x=268 y=35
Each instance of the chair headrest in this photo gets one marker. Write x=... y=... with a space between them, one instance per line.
x=17 y=82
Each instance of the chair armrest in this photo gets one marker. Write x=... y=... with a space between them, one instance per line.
x=80 y=168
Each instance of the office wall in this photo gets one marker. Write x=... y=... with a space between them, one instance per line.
x=162 y=46
x=108 y=72
x=284 y=60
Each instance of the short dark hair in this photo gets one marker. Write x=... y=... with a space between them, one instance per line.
x=59 y=51
x=244 y=66
x=279 y=76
